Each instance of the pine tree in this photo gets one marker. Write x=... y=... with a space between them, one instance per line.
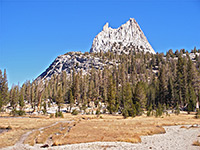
x=84 y=91
x=71 y=98
x=150 y=109
x=77 y=94
x=84 y=102
x=1 y=101
x=170 y=95
x=45 y=95
x=192 y=99
x=185 y=86
x=128 y=103
x=1 y=79
x=140 y=94
x=162 y=85
x=177 y=110
x=14 y=96
x=73 y=81
x=125 y=113
x=111 y=95
x=64 y=84
x=181 y=81
x=91 y=90
x=159 y=110
x=59 y=98
x=4 y=87
x=138 y=108
x=21 y=100
x=32 y=94
x=105 y=94
x=27 y=96
x=189 y=72
x=39 y=93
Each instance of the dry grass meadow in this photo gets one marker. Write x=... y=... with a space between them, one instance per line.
x=21 y=126
x=87 y=128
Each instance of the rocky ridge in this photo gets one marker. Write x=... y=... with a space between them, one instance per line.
x=128 y=37
x=77 y=60
x=84 y=62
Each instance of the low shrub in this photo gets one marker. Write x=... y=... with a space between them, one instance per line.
x=59 y=114
x=21 y=112
x=17 y=112
x=74 y=112
x=44 y=111
x=148 y=113
x=51 y=115
x=159 y=110
x=197 y=115
x=177 y=111
x=98 y=112
x=150 y=109
x=125 y=113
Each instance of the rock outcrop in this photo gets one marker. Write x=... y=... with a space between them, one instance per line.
x=84 y=62
x=75 y=60
x=126 y=38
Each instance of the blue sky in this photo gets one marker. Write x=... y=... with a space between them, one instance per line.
x=34 y=32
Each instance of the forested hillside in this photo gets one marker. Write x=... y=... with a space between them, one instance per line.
x=134 y=83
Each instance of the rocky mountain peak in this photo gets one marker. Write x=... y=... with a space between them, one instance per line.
x=128 y=37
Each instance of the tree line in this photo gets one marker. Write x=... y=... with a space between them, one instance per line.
x=140 y=82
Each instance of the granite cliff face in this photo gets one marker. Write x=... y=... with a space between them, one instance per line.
x=128 y=37
x=75 y=60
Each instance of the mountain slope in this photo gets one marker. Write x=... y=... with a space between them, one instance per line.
x=75 y=60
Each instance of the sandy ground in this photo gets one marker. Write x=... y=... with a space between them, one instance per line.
x=174 y=138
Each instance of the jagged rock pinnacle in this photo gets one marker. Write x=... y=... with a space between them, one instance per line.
x=128 y=37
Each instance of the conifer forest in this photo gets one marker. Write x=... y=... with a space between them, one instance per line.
x=139 y=82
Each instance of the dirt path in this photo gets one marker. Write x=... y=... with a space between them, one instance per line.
x=25 y=136
x=20 y=144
